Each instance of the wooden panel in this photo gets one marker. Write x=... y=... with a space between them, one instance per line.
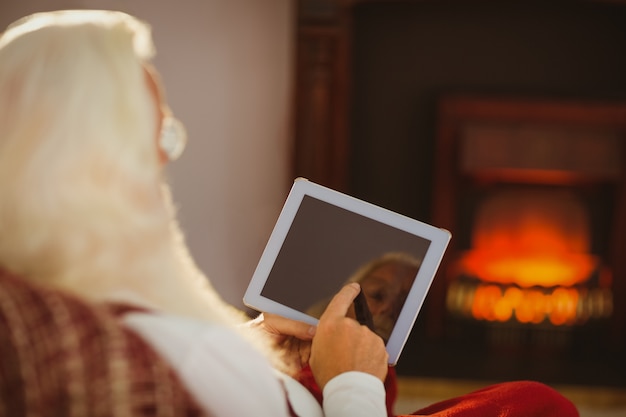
x=528 y=151
x=321 y=120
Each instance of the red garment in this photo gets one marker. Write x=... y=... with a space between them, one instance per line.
x=510 y=399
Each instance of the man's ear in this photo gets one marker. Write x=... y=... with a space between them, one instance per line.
x=153 y=82
x=172 y=138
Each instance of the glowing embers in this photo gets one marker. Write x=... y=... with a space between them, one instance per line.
x=530 y=262
x=503 y=303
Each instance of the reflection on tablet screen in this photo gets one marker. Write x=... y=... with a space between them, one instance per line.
x=328 y=246
x=385 y=282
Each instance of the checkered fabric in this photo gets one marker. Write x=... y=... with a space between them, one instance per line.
x=61 y=356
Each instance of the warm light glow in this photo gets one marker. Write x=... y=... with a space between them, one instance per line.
x=502 y=303
x=526 y=305
x=531 y=238
x=530 y=251
x=529 y=269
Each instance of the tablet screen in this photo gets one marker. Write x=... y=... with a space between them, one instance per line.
x=327 y=246
x=324 y=239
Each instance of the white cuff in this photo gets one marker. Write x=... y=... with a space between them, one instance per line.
x=355 y=394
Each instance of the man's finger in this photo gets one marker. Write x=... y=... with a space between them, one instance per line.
x=283 y=326
x=341 y=302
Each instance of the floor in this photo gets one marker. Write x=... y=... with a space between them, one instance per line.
x=416 y=393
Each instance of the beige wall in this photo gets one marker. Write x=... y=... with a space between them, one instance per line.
x=227 y=70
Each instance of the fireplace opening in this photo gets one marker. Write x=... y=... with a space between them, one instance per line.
x=530 y=261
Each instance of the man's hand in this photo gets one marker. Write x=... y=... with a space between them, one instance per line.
x=292 y=338
x=281 y=326
x=341 y=344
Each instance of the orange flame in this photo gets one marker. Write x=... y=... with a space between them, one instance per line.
x=525 y=305
x=529 y=239
x=529 y=269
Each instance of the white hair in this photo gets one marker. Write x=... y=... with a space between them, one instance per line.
x=83 y=203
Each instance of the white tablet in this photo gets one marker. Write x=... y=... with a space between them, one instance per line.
x=324 y=239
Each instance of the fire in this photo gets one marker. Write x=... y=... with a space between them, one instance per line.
x=503 y=303
x=527 y=269
x=534 y=247
x=531 y=238
x=525 y=305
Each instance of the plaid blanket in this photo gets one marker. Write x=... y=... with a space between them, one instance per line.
x=60 y=356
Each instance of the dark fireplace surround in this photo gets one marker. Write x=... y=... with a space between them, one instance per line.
x=487 y=147
x=471 y=142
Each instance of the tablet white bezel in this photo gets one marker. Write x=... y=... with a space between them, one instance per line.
x=438 y=238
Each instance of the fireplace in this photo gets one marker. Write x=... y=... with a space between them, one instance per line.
x=531 y=261
x=372 y=77
x=535 y=194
